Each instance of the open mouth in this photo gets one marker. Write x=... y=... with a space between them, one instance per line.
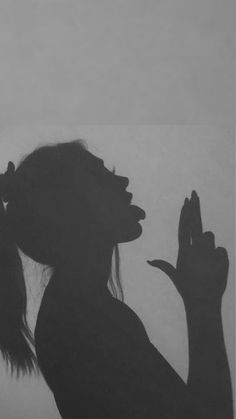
x=137 y=211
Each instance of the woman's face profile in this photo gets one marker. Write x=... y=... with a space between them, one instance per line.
x=107 y=201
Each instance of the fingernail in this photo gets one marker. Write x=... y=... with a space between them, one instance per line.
x=194 y=194
x=186 y=201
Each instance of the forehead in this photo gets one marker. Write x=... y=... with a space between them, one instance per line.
x=91 y=159
x=87 y=160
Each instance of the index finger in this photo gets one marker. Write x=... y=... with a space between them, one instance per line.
x=184 y=227
x=196 y=219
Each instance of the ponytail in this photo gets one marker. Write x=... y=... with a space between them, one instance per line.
x=15 y=335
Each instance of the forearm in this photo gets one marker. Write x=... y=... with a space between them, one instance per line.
x=209 y=376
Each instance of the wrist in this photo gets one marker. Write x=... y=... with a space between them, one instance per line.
x=203 y=307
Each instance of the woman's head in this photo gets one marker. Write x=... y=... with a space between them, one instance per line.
x=69 y=200
x=62 y=204
x=101 y=198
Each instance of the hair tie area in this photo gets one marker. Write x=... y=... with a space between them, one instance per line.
x=7 y=182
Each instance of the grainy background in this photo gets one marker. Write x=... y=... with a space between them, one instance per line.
x=70 y=62
x=120 y=61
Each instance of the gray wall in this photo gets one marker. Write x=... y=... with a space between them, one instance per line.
x=120 y=61
x=68 y=62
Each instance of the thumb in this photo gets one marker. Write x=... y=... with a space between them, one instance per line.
x=164 y=266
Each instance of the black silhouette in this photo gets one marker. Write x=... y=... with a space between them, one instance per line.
x=67 y=211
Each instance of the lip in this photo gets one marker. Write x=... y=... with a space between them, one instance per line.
x=129 y=197
x=139 y=212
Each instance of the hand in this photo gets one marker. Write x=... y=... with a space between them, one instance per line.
x=202 y=269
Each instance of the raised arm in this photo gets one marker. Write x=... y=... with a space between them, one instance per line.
x=200 y=277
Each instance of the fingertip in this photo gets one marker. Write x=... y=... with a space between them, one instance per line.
x=194 y=194
x=222 y=251
x=151 y=262
x=186 y=201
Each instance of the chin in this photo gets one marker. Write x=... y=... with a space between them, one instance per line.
x=131 y=234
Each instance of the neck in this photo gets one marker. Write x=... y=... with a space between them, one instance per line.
x=85 y=275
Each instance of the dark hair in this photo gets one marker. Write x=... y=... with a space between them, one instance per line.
x=15 y=336
x=47 y=168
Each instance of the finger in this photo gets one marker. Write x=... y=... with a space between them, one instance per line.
x=206 y=240
x=222 y=252
x=184 y=226
x=164 y=266
x=196 y=219
x=222 y=257
x=209 y=238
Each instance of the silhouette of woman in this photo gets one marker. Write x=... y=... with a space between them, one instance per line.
x=66 y=210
